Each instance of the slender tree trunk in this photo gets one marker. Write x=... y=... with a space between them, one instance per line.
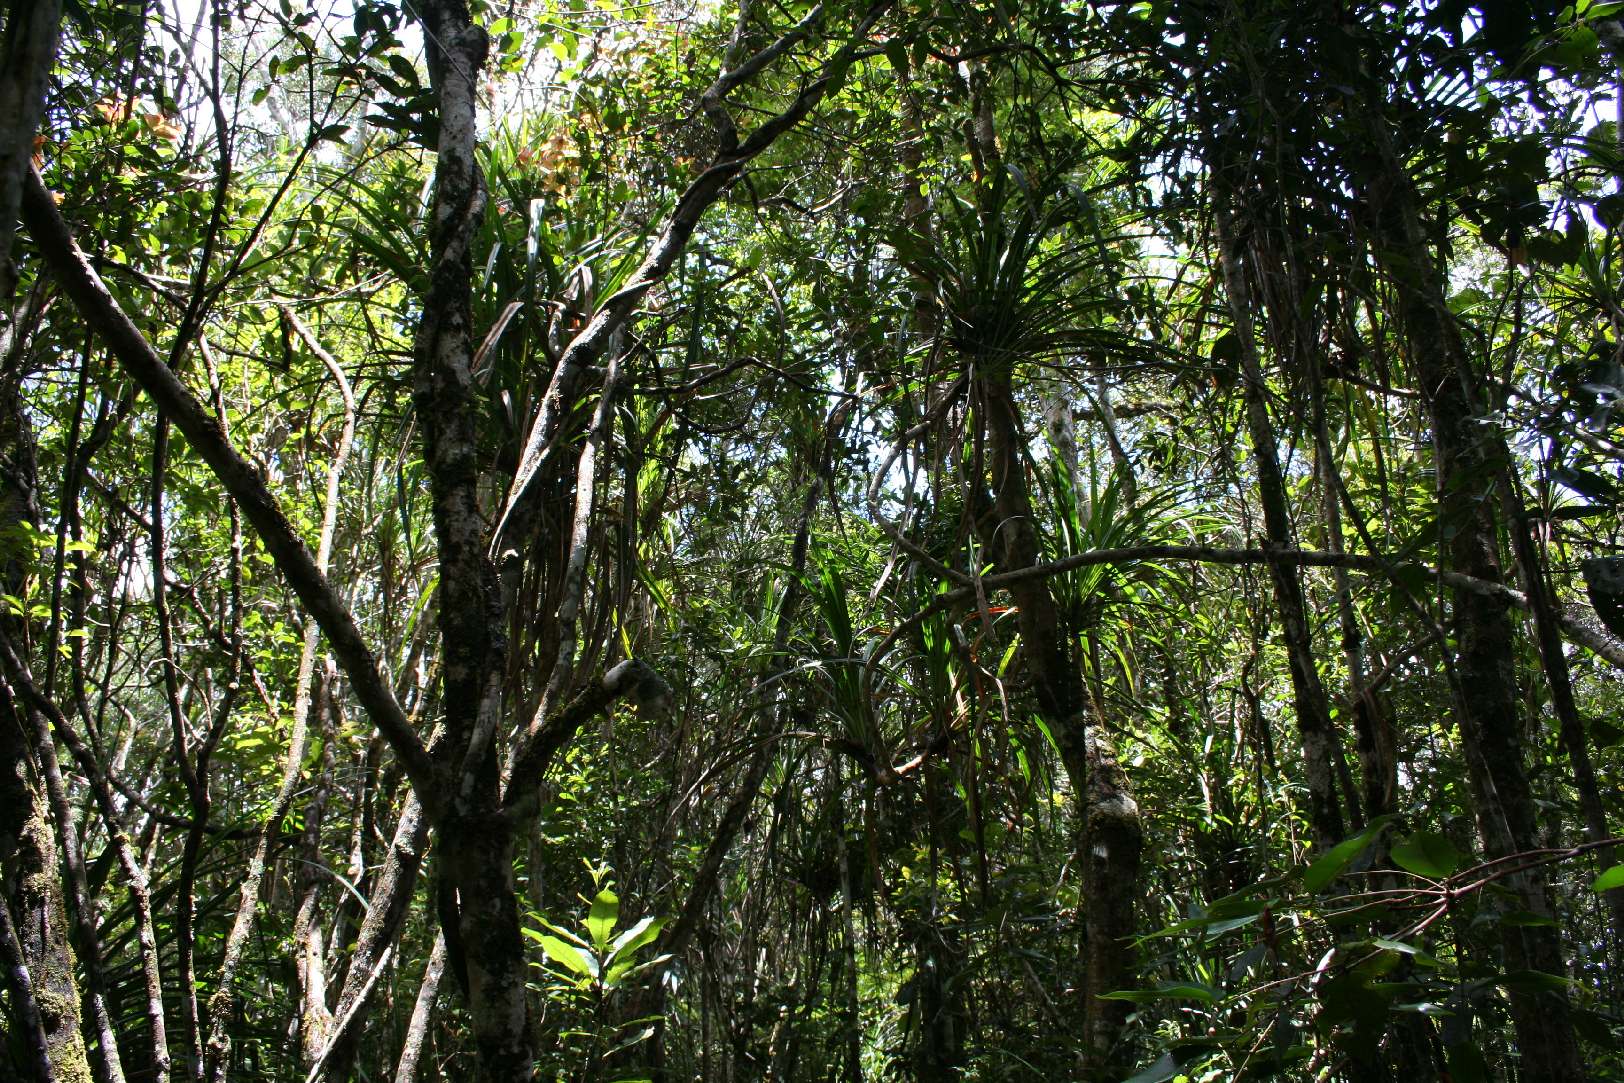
x=1113 y=844
x=1376 y=743
x=1558 y=675
x=938 y=954
x=1013 y=540
x=1314 y=725
x=417 y=1031
x=315 y=1020
x=852 y=1008
x=387 y=907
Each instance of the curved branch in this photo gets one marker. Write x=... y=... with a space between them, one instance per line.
x=141 y=362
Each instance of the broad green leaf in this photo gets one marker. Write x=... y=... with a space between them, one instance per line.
x=568 y=955
x=1427 y=853
x=563 y=933
x=638 y=935
x=1406 y=949
x=1535 y=981
x=1335 y=861
x=600 y=921
x=617 y=975
x=1219 y=928
x=1612 y=878
x=404 y=69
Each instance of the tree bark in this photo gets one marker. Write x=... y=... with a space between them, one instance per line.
x=27 y=52
x=20 y=982
x=1559 y=676
x=42 y=975
x=387 y=907
x=417 y=1031
x=1468 y=466
x=1113 y=844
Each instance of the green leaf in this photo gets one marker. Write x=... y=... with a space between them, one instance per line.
x=562 y=932
x=1333 y=862
x=1612 y=878
x=1427 y=853
x=638 y=936
x=404 y=69
x=1219 y=928
x=621 y=972
x=1167 y=990
x=1535 y=981
x=569 y=956
x=1405 y=949
x=600 y=922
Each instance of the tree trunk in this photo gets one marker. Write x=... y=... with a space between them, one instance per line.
x=28 y=857
x=27 y=51
x=1113 y=843
x=387 y=906
x=1110 y=842
x=34 y=895
x=417 y=1031
x=1314 y=726
x=479 y=911
x=1468 y=465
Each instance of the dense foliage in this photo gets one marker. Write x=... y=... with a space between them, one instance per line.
x=770 y=540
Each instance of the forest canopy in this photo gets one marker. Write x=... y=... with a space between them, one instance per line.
x=765 y=540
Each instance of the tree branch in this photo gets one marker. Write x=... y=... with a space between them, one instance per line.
x=1571 y=621
x=648 y=690
x=706 y=189
x=141 y=362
